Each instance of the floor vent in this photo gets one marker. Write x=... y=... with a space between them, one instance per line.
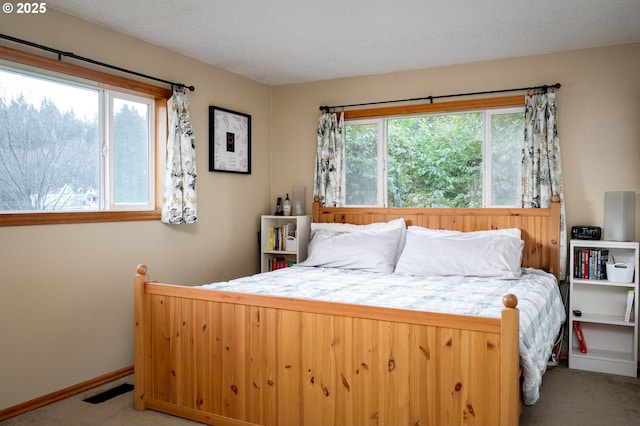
x=111 y=393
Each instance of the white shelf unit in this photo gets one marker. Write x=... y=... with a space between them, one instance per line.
x=612 y=343
x=296 y=254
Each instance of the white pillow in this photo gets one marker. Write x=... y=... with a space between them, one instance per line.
x=349 y=227
x=373 y=250
x=468 y=254
x=512 y=232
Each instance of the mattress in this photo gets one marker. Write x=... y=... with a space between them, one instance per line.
x=540 y=304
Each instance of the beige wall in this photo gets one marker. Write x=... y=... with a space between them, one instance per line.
x=66 y=303
x=598 y=107
x=66 y=290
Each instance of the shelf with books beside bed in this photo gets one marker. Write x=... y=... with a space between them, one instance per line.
x=283 y=241
x=599 y=296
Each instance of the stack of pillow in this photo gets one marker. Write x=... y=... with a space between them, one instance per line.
x=391 y=247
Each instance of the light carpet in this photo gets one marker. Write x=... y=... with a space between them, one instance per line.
x=568 y=397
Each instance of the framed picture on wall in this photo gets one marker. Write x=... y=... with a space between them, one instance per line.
x=229 y=141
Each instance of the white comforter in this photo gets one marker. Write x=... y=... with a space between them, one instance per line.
x=541 y=309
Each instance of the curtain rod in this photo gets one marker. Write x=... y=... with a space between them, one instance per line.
x=431 y=98
x=61 y=53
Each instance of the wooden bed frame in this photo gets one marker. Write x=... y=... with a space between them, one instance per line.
x=225 y=358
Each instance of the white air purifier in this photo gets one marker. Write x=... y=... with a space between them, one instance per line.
x=619 y=215
x=298 y=200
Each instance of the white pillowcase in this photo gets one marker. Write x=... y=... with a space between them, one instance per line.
x=369 y=249
x=336 y=228
x=512 y=232
x=482 y=254
x=350 y=227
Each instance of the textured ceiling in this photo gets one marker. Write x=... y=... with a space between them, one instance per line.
x=292 y=41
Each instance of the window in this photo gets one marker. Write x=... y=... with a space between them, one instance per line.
x=74 y=146
x=445 y=159
x=71 y=147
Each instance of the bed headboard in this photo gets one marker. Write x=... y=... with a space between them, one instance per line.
x=540 y=227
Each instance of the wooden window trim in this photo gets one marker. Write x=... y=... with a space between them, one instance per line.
x=66 y=68
x=465 y=105
x=160 y=94
x=54 y=218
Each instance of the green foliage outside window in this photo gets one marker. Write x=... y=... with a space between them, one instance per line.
x=361 y=164
x=435 y=160
x=507 y=133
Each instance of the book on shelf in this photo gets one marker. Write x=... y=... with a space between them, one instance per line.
x=279 y=263
x=578 y=329
x=590 y=264
x=278 y=236
x=628 y=313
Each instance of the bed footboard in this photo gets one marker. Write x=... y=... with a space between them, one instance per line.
x=237 y=359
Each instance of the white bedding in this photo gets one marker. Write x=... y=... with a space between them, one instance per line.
x=541 y=309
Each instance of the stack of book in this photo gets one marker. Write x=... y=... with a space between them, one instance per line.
x=278 y=263
x=278 y=236
x=590 y=264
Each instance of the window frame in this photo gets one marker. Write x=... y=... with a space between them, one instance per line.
x=381 y=164
x=487 y=152
x=105 y=80
x=109 y=160
x=488 y=106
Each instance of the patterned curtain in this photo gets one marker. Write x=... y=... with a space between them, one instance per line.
x=541 y=169
x=180 y=180
x=329 y=176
